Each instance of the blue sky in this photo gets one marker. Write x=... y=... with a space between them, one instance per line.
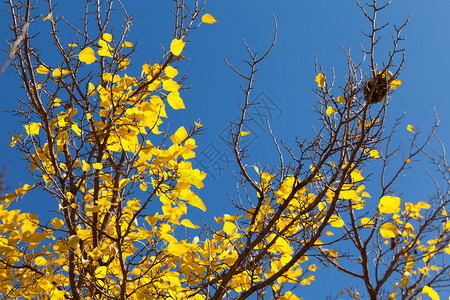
x=285 y=80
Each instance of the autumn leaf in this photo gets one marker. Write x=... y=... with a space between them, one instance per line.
x=176 y=47
x=175 y=100
x=127 y=44
x=340 y=99
x=57 y=223
x=100 y=272
x=171 y=72
x=97 y=166
x=320 y=79
x=59 y=72
x=179 y=136
x=87 y=55
x=430 y=292
x=33 y=128
x=207 y=18
x=107 y=37
x=42 y=69
x=47 y=17
x=410 y=128
x=389 y=205
x=389 y=230
x=244 y=133
x=187 y=223
x=330 y=111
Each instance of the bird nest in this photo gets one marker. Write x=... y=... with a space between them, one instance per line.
x=376 y=89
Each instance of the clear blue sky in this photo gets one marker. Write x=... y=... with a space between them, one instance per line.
x=286 y=79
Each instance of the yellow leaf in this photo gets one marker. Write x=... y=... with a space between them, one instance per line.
x=57 y=223
x=40 y=261
x=207 y=18
x=105 y=49
x=395 y=84
x=229 y=228
x=177 y=249
x=340 y=99
x=32 y=128
x=171 y=86
x=97 y=166
x=91 y=89
x=14 y=139
x=87 y=55
x=244 y=133
x=100 y=272
x=430 y=292
x=330 y=111
x=85 y=166
x=320 y=79
x=143 y=186
x=72 y=45
x=389 y=230
x=127 y=44
x=73 y=241
x=42 y=69
x=389 y=205
x=56 y=102
x=47 y=17
x=374 y=154
x=336 y=221
x=176 y=47
x=76 y=129
x=410 y=128
x=367 y=222
x=179 y=136
x=312 y=268
x=59 y=72
x=107 y=37
x=171 y=72
x=175 y=100
x=187 y=223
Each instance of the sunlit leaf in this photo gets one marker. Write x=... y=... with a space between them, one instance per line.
x=187 y=223
x=59 y=72
x=42 y=69
x=340 y=99
x=171 y=72
x=430 y=292
x=330 y=111
x=367 y=222
x=97 y=166
x=176 y=47
x=389 y=205
x=57 y=223
x=320 y=79
x=47 y=17
x=177 y=249
x=171 y=86
x=207 y=18
x=127 y=44
x=100 y=272
x=389 y=230
x=107 y=37
x=410 y=128
x=87 y=55
x=175 y=100
x=14 y=140
x=32 y=128
x=374 y=154
x=244 y=133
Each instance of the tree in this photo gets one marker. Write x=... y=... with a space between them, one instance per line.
x=95 y=140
